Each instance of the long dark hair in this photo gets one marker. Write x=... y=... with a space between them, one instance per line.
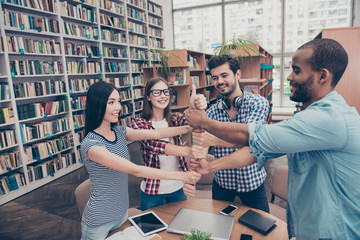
x=96 y=102
x=147 y=107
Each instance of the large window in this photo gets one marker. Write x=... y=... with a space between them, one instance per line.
x=199 y=26
x=198 y=29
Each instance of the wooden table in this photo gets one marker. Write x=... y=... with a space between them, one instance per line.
x=168 y=211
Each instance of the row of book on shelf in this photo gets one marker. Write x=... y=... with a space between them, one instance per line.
x=29 y=22
x=18 y=44
x=78 y=11
x=41 y=88
x=113 y=7
x=6 y=115
x=79 y=120
x=34 y=67
x=12 y=182
x=44 y=5
x=81 y=85
x=77 y=30
x=43 y=109
x=82 y=66
x=78 y=102
x=44 y=150
x=16 y=180
x=7 y=138
x=112 y=21
x=9 y=161
x=193 y=62
x=43 y=129
x=47 y=168
x=75 y=49
x=4 y=91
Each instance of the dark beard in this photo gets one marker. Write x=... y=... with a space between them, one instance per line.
x=303 y=91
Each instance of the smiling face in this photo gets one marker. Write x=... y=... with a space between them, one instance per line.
x=225 y=81
x=162 y=101
x=113 y=108
x=302 y=77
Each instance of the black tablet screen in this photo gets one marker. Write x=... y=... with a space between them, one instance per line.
x=148 y=223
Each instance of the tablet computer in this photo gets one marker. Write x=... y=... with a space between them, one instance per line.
x=148 y=223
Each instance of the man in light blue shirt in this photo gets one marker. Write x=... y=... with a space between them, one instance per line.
x=322 y=144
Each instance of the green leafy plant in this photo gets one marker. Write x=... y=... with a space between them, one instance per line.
x=196 y=235
x=238 y=48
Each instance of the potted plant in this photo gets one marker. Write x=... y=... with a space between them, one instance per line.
x=238 y=48
x=196 y=235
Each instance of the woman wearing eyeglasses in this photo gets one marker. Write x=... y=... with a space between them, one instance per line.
x=167 y=153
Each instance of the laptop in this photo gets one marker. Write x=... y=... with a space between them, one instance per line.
x=220 y=226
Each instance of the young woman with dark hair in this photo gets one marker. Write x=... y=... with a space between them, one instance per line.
x=167 y=153
x=106 y=157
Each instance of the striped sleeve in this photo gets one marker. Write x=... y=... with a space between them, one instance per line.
x=87 y=144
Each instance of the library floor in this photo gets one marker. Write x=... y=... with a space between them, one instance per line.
x=50 y=212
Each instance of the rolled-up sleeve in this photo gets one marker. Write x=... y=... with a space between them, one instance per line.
x=317 y=128
x=260 y=156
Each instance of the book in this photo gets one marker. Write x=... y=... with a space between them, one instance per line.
x=252 y=89
x=173 y=98
x=258 y=222
x=130 y=233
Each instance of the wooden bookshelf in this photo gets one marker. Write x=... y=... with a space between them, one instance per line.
x=257 y=72
x=190 y=66
x=348 y=86
x=109 y=42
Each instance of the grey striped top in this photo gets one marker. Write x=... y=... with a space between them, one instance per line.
x=109 y=197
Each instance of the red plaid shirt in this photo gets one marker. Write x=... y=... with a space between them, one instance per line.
x=153 y=148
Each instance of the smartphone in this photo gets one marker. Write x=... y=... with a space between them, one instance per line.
x=245 y=237
x=228 y=210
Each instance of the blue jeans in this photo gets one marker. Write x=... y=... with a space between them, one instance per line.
x=149 y=200
x=99 y=233
x=255 y=199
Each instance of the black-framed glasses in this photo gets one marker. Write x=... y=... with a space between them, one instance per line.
x=157 y=92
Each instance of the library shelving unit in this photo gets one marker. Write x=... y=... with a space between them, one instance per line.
x=183 y=68
x=257 y=73
x=54 y=50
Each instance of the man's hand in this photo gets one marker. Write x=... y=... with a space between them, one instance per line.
x=189 y=190
x=200 y=165
x=203 y=138
x=197 y=101
x=195 y=117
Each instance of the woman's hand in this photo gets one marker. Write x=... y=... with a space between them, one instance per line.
x=189 y=190
x=198 y=151
x=191 y=177
x=200 y=165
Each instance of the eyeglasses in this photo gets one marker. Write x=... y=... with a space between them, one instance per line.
x=157 y=92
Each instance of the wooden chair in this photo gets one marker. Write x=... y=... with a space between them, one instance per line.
x=279 y=189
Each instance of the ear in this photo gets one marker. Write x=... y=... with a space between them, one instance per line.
x=325 y=77
x=238 y=75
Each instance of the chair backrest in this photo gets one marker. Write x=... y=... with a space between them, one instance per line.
x=82 y=195
x=279 y=183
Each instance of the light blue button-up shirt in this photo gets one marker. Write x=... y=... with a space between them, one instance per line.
x=322 y=144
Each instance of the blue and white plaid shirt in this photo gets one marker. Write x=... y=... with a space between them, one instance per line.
x=254 y=108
